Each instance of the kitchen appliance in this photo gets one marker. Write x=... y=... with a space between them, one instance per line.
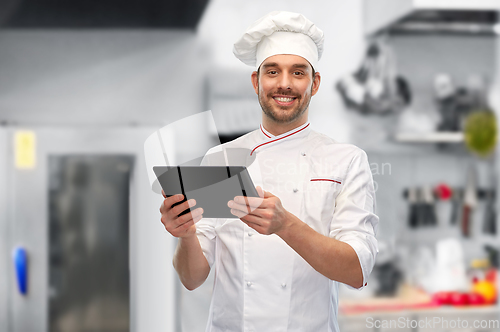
x=86 y=249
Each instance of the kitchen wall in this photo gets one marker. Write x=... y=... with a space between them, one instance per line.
x=99 y=77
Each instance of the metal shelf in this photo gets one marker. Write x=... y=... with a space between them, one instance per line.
x=432 y=137
x=382 y=14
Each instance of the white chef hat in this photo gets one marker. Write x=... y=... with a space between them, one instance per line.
x=280 y=33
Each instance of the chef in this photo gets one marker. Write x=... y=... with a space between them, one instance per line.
x=279 y=261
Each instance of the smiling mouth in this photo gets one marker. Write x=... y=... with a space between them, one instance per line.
x=284 y=101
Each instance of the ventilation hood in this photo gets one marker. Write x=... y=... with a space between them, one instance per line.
x=443 y=16
x=101 y=14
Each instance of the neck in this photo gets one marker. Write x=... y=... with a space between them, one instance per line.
x=277 y=128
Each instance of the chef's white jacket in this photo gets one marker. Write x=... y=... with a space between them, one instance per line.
x=261 y=284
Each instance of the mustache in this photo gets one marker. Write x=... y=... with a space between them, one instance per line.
x=284 y=93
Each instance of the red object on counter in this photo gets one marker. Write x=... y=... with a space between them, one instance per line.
x=475 y=299
x=458 y=298
x=443 y=191
x=442 y=298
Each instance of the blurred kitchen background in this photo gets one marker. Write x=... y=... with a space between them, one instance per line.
x=416 y=83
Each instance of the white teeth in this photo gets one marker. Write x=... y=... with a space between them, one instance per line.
x=282 y=99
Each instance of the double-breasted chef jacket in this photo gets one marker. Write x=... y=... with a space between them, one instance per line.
x=262 y=284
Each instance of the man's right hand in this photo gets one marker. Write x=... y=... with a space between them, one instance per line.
x=179 y=226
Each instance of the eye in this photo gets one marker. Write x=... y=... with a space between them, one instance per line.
x=298 y=73
x=272 y=72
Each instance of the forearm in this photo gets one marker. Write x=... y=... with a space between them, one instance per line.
x=334 y=259
x=190 y=263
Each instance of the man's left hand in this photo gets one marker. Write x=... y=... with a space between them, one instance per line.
x=265 y=214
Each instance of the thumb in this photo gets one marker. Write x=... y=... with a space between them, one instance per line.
x=268 y=194
x=260 y=191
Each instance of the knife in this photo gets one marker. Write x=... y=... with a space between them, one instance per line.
x=470 y=200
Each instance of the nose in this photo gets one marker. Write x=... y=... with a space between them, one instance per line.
x=285 y=81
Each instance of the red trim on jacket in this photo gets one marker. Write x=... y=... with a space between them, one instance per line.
x=264 y=132
x=327 y=180
x=274 y=140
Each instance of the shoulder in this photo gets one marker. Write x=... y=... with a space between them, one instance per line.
x=244 y=141
x=326 y=147
x=236 y=150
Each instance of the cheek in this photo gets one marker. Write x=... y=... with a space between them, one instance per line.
x=265 y=87
x=306 y=92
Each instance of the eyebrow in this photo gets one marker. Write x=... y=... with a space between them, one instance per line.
x=271 y=64
x=301 y=66
x=274 y=64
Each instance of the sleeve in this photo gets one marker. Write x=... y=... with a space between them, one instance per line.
x=354 y=221
x=205 y=231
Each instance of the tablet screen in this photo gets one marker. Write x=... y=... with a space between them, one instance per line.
x=211 y=186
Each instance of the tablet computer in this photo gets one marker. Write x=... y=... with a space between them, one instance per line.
x=211 y=186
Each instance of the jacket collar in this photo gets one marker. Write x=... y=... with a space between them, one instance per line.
x=269 y=139
x=264 y=133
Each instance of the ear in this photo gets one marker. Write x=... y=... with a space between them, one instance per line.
x=316 y=82
x=255 y=82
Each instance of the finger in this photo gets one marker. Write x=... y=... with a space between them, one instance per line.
x=238 y=213
x=260 y=191
x=176 y=210
x=163 y=193
x=251 y=219
x=188 y=216
x=169 y=201
x=184 y=228
x=253 y=202
x=241 y=207
x=198 y=218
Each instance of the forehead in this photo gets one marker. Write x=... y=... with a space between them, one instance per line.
x=286 y=60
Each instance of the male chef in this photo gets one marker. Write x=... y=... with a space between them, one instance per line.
x=279 y=261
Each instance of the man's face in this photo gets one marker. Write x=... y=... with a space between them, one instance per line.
x=285 y=85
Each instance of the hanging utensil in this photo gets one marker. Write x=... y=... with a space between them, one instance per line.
x=413 y=207
x=428 y=207
x=470 y=200
x=455 y=206
x=375 y=88
x=490 y=216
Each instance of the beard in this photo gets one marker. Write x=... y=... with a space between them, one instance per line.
x=284 y=114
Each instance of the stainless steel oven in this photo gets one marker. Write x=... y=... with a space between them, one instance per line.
x=79 y=225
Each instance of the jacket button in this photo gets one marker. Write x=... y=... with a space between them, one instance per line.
x=250 y=234
x=283 y=285
x=249 y=283
x=295 y=190
x=303 y=154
